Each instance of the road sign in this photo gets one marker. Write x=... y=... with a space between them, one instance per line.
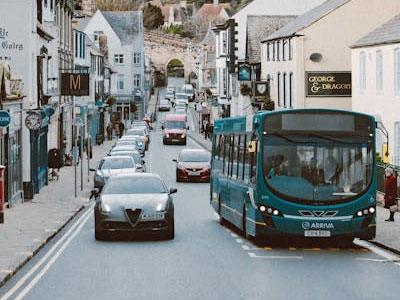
x=5 y=118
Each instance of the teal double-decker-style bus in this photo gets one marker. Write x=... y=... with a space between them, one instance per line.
x=307 y=172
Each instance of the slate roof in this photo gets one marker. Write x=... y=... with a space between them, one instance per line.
x=126 y=24
x=307 y=19
x=388 y=33
x=258 y=27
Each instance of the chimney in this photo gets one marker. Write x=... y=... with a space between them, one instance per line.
x=216 y=3
x=103 y=45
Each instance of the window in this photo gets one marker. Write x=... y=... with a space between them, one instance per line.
x=278 y=49
x=284 y=90
x=253 y=164
x=397 y=143
x=291 y=90
x=136 y=80
x=273 y=50
x=224 y=46
x=363 y=75
x=278 y=89
x=268 y=53
x=227 y=150
x=118 y=59
x=290 y=49
x=97 y=35
x=242 y=154
x=284 y=49
x=76 y=44
x=231 y=155
x=397 y=70
x=379 y=71
x=136 y=58
x=121 y=82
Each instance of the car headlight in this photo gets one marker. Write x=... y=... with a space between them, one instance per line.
x=183 y=136
x=104 y=208
x=161 y=207
x=167 y=136
x=180 y=167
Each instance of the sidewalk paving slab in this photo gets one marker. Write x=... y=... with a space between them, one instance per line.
x=31 y=225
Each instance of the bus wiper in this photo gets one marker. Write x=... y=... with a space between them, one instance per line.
x=329 y=139
x=283 y=137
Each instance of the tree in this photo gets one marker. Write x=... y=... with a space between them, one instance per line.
x=152 y=17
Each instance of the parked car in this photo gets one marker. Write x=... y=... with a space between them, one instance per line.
x=189 y=91
x=181 y=96
x=134 y=204
x=169 y=95
x=135 y=139
x=140 y=131
x=193 y=165
x=164 y=105
x=174 y=129
x=180 y=106
x=137 y=123
x=109 y=166
x=136 y=156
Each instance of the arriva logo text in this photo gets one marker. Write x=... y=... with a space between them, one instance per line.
x=308 y=225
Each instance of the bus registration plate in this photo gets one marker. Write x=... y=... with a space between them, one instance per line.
x=317 y=233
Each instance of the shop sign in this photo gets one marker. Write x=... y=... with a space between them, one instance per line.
x=261 y=91
x=5 y=118
x=74 y=84
x=244 y=71
x=33 y=120
x=328 y=84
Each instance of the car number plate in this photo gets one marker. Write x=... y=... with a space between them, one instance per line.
x=175 y=140
x=155 y=216
x=193 y=173
x=317 y=233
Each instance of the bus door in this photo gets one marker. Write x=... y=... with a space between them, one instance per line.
x=223 y=182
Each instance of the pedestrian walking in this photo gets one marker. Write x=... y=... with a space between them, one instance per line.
x=207 y=133
x=121 y=127
x=391 y=193
x=109 y=132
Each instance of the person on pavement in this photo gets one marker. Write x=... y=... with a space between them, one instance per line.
x=391 y=193
x=121 y=128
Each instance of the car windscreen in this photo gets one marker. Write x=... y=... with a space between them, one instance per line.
x=126 y=143
x=175 y=124
x=195 y=156
x=163 y=102
x=179 y=96
x=135 y=155
x=134 y=185
x=116 y=163
x=139 y=132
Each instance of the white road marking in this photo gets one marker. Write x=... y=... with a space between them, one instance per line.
x=378 y=251
x=373 y=259
x=234 y=235
x=50 y=230
x=245 y=247
x=5 y=271
x=45 y=257
x=52 y=260
x=239 y=241
x=253 y=255
x=36 y=240
x=24 y=253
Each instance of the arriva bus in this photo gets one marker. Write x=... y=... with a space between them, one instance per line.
x=308 y=172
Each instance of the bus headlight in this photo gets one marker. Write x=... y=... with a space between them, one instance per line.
x=263 y=208
x=269 y=211
x=366 y=212
x=372 y=210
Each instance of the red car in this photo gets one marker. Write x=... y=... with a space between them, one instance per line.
x=193 y=165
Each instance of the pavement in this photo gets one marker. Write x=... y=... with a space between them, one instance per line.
x=29 y=226
x=387 y=233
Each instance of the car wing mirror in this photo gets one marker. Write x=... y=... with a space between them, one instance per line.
x=174 y=160
x=92 y=169
x=139 y=166
x=94 y=193
x=143 y=162
x=187 y=127
x=173 y=190
x=162 y=127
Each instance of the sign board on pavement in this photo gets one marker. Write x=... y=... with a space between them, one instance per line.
x=5 y=118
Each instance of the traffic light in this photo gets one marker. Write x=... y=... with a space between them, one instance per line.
x=232 y=45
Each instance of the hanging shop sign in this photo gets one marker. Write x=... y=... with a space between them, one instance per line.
x=74 y=84
x=244 y=71
x=328 y=84
x=5 y=118
x=261 y=92
x=33 y=120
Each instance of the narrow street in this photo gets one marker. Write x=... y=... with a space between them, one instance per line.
x=204 y=261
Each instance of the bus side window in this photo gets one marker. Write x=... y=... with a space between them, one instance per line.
x=231 y=156
x=238 y=156
x=234 y=157
x=243 y=157
x=247 y=160
x=253 y=163
x=226 y=154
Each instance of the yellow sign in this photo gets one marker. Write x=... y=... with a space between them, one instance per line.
x=385 y=152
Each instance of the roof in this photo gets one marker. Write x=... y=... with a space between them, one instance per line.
x=126 y=24
x=307 y=19
x=388 y=33
x=212 y=12
x=258 y=27
x=81 y=23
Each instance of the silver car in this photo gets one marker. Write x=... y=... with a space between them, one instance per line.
x=135 y=141
x=134 y=203
x=140 y=163
x=109 y=166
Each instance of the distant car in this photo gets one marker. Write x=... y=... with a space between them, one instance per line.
x=135 y=139
x=181 y=97
x=112 y=165
x=180 y=106
x=193 y=165
x=169 y=95
x=134 y=204
x=140 y=131
x=189 y=91
x=164 y=105
x=180 y=111
x=174 y=129
x=137 y=123
x=140 y=163
x=171 y=88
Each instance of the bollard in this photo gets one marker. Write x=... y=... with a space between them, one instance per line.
x=2 y=168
